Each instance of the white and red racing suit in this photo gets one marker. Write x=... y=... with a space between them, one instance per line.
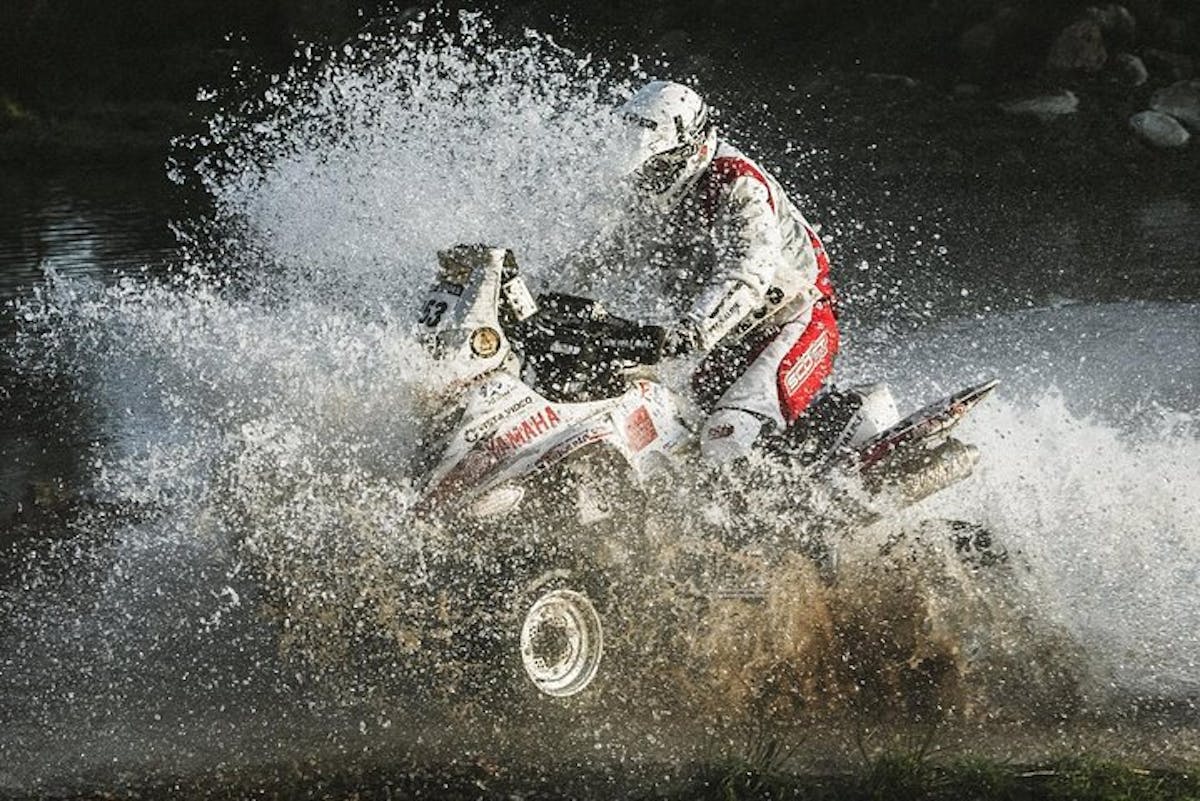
x=765 y=312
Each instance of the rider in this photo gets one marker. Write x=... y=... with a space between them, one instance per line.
x=764 y=311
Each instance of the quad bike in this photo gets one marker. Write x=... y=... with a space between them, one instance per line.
x=553 y=428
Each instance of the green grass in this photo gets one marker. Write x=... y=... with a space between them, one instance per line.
x=1088 y=778
x=761 y=775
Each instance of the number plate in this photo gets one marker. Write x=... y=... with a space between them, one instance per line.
x=438 y=309
x=437 y=314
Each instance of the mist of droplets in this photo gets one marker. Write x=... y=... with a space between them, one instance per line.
x=255 y=413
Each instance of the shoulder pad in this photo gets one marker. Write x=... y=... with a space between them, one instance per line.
x=727 y=169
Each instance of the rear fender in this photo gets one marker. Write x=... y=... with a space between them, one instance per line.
x=926 y=428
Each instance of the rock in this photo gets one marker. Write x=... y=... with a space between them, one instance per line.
x=1180 y=100
x=887 y=77
x=1124 y=27
x=1115 y=21
x=1079 y=48
x=1160 y=130
x=1129 y=69
x=1175 y=66
x=1045 y=107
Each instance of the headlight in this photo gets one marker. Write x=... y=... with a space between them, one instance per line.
x=485 y=342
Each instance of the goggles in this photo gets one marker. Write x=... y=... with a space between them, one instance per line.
x=661 y=171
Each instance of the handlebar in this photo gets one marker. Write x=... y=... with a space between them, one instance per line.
x=583 y=330
x=578 y=351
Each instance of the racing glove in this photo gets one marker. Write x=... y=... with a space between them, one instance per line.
x=681 y=339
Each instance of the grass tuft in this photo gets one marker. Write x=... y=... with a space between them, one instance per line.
x=1090 y=779
x=761 y=774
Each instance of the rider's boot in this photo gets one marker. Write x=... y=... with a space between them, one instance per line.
x=876 y=413
x=836 y=421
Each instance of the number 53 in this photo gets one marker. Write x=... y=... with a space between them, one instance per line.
x=432 y=311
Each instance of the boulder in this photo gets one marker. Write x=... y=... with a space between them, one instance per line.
x=1045 y=107
x=1129 y=69
x=1160 y=130
x=1079 y=48
x=1181 y=100
x=1174 y=66
x=1116 y=23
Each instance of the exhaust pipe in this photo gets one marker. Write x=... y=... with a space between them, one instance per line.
x=925 y=472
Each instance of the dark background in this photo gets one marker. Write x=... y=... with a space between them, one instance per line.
x=133 y=66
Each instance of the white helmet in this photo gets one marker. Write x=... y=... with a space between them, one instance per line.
x=673 y=142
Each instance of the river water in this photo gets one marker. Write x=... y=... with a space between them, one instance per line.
x=158 y=335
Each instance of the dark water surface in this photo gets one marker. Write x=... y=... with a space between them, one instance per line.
x=83 y=222
x=1013 y=242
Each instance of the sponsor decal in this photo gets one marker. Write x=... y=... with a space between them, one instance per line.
x=799 y=372
x=496 y=389
x=524 y=432
x=488 y=426
x=639 y=429
x=448 y=288
x=722 y=315
x=642 y=121
x=562 y=449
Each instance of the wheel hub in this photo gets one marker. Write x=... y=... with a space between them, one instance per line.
x=561 y=642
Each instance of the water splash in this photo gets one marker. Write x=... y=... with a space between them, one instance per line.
x=1086 y=469
x=255 y=414
x=350 y=179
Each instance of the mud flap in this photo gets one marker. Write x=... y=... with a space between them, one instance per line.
x=923 y=428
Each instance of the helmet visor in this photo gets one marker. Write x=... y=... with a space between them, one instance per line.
x=660 y=172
